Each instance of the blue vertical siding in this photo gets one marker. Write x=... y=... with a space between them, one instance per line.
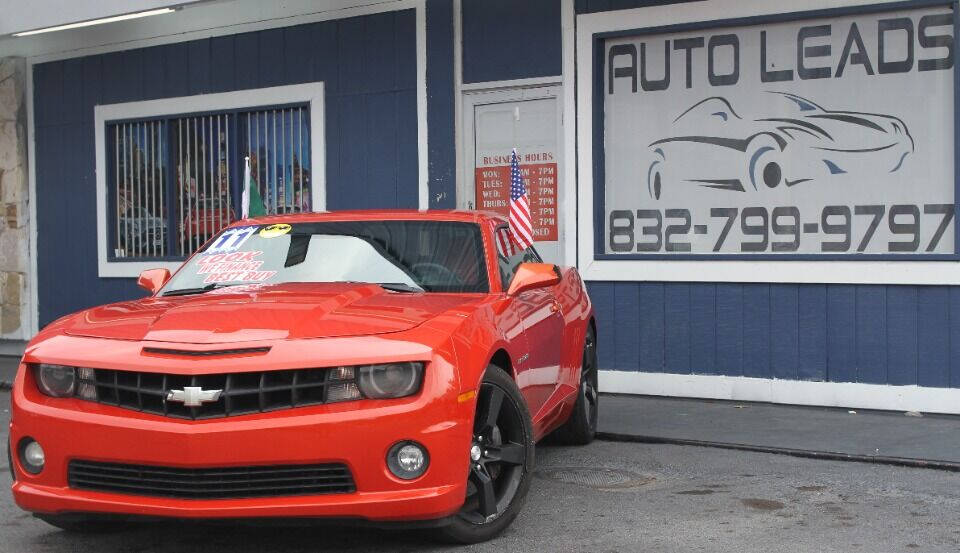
x=902 y=337
x=871 y=334
x=954 y=336
x=651 y=325
x=603 y=300
x=756 y=330
x=441 y=118
x=506 y=39
x=877 y=334
x=933 y=336
x=198 y=70
x=811 y=332
x=626 y=331
x=729 y=333
x=702 y=334
x=842 y=333
x=593 y=6
x=368 y=66
x=785 y=332
x=677 y=331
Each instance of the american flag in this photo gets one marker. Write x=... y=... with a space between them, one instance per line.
x=505 y=243
x=521 y=227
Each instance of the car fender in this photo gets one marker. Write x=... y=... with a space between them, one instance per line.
x=478 y=334
x=577 y=312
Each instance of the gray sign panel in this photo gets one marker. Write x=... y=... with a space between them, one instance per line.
x=824 y=136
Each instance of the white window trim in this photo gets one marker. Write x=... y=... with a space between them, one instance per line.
x=825 y=272
x=309 y=93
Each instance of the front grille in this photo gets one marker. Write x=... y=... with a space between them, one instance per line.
x=243 y=393
x=211 y=483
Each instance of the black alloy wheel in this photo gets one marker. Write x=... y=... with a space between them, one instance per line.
x=589 y=383
x=581 y=427
x=501 y=461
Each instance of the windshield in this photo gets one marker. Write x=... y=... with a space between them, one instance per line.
x=430 y=256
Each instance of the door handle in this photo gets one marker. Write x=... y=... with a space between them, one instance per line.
x=555 y=306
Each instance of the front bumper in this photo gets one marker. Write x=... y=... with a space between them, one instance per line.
x=357 y=434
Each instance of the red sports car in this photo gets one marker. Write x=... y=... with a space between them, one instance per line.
x=385 y=366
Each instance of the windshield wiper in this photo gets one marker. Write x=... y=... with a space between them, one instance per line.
x=197 y=290
x=399 y=287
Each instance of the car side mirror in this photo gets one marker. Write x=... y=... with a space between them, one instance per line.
x=533 y=275
x=152 y=280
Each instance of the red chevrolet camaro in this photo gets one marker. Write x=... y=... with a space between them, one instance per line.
x=383 y=366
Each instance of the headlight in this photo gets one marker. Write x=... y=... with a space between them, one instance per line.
x=56 y=380
x=63 y=381
x=389 y=381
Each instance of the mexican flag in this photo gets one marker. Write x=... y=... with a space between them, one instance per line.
x=251 y=202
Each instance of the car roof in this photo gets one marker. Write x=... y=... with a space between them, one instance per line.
x=452 y=215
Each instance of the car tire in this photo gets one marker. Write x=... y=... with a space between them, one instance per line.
x=82 y=525
x=581 y=427
x=505 y=469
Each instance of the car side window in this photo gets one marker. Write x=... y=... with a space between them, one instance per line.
x=508 y=258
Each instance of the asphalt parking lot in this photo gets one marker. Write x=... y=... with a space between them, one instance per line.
x=616 y=497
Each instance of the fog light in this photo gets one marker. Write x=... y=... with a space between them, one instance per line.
x=31 y=456
x=408 y=460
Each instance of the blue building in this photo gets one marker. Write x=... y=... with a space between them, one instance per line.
x=762 y=203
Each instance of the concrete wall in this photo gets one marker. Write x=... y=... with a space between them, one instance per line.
x=14 y=211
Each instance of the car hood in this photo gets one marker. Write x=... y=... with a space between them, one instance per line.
x=264 y=312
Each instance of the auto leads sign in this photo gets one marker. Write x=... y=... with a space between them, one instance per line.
x=823 y=136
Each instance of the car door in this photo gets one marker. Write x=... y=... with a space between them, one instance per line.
x=542 y=321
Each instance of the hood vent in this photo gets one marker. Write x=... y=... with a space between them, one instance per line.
x=206 y=353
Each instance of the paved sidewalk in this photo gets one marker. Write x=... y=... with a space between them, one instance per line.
x=871 y=436
x=8 y=368
x=12 y=347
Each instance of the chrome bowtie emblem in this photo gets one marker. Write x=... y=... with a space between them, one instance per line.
x=194 y=396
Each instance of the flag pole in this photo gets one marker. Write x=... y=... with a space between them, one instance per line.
x=245 y=201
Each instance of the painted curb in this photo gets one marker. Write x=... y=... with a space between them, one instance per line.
x=804 y=453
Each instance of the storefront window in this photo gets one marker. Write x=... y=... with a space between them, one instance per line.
x=174 y=182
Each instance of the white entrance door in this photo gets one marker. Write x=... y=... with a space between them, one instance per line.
x=529 y=120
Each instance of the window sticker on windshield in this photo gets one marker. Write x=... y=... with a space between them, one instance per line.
x=272 y=231
x=234 y=261
x=231 y=240
x=239 y=276
x=233 y=267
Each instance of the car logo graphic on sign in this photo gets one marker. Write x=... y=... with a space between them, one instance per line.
x=194 y=396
